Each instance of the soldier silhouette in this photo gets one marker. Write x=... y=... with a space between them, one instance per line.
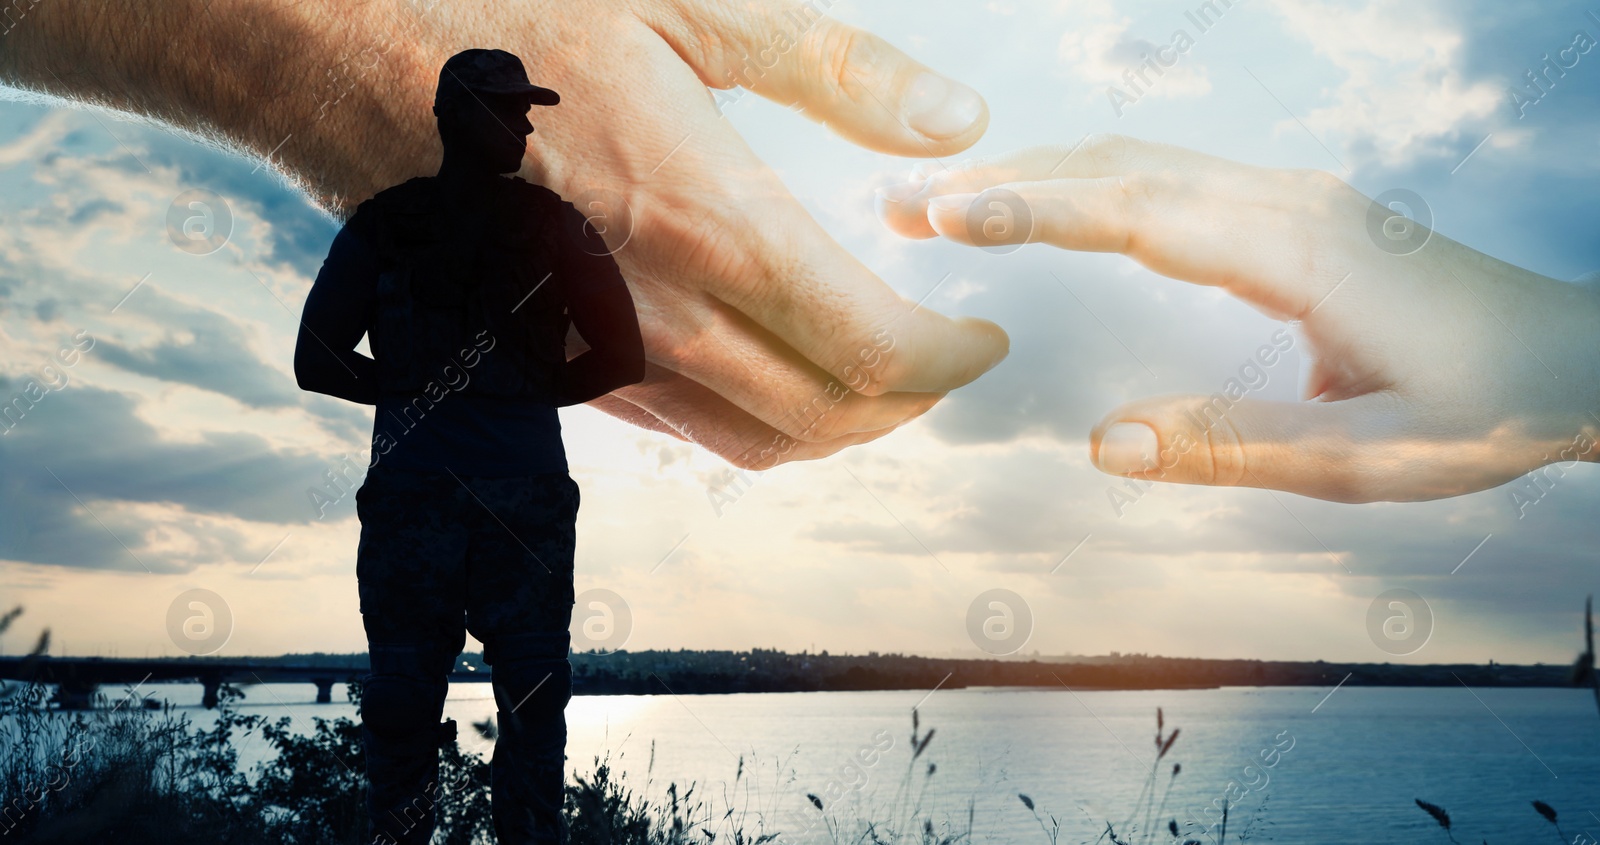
x=465 y=284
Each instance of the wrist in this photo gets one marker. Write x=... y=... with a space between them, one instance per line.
x=1590 y=283
x=354 y=117
x=1577 y=319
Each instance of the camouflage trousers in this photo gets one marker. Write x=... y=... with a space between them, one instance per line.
x=441 y=556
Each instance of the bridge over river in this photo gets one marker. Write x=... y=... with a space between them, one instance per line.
x=77 y=678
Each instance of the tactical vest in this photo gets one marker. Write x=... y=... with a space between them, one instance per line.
x=485 y=306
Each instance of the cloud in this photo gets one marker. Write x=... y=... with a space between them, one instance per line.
x=1405 y=92
x=209 y=352
x=81 y=462
x=300 y=233
x=91 y=250
x=42 y=132
x=1099 y=45
x=103 y=472
x=1022 y=508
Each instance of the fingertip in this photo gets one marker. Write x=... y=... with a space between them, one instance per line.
x=991 y=337
x=934 y=354
x=947 y=215
x=983 y=345
x=947 y=113
x=899 y=192
x=903 y=211
x=1124 y=448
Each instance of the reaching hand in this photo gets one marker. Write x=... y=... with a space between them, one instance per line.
x=1437 y=370
x=766 y=341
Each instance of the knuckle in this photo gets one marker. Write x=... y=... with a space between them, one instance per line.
x=1137 y=190
x=1107 y=148
x=1317 y=181
x=838 y=50
x=1320 y=195
x=870 y=369
x=1318 y=191
x=1134 y=194
x=716 y=49
x=658 y=341
x=861 y=354
x=681 y=347
x=1225 y=455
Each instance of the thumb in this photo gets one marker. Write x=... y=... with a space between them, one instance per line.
x=862 y=86
x=1305 y=448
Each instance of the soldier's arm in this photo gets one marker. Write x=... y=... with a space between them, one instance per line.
x=337 y=313
x=602 y=311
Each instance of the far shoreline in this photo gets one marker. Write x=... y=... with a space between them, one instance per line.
x=685 y=672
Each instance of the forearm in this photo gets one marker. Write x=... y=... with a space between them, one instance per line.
x=349 y=375
x=269 y=79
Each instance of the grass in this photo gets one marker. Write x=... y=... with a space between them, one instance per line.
x=903 y=821
x=1545 y=811
x=1143 y=823
x=1145 y=810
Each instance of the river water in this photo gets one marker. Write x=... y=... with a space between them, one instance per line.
x=1295 y=764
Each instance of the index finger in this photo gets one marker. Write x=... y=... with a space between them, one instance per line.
x=1282 y=240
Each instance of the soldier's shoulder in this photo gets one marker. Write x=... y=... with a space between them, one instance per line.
x=523 y=188
x=378 y=213
x=534 y=198
x=412 y=194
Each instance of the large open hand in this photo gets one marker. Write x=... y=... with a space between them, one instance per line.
x=766 y=340
x=1437 y=370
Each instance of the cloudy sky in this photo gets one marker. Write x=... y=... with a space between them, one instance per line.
x=177 y=453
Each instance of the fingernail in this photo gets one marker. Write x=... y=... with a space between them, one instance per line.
x=951 y=202
x=940 y=108
x=1128 y=447
x=898 y=193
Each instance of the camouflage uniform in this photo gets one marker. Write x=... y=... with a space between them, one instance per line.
x=497 y=552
